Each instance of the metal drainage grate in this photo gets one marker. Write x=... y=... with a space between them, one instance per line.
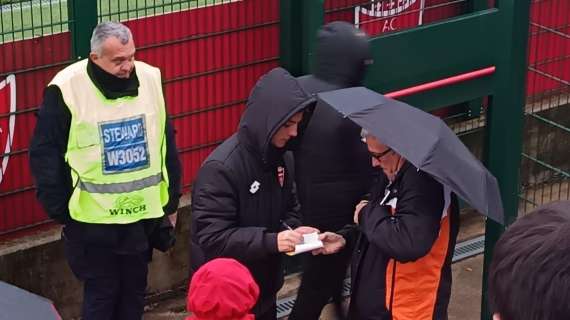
x=346 y=288
x=463 y=250
x=469 y=248
x=284 y=306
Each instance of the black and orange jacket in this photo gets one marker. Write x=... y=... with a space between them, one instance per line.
x=408 y=234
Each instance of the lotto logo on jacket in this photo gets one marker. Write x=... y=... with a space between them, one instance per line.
x=125 y=145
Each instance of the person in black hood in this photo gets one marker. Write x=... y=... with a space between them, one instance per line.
x=110 y=258
x=244 y=201
x=332 y=167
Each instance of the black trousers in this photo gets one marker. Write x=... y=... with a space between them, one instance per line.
x=270 y=314
x=113 y=284
x=323 y=278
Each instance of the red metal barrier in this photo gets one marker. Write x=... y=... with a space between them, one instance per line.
x=441 y=83
x=31 y=63
x=549 y=48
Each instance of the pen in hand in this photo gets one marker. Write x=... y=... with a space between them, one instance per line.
x=288 y=239
x=286 y=225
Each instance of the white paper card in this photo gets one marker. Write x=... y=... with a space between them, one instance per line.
x=310 y=242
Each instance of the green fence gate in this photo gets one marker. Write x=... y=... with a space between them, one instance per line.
x=485 y=34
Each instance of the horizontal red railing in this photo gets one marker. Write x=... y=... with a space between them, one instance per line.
x=442 y=83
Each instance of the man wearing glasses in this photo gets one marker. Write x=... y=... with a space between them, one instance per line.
x=408 y=232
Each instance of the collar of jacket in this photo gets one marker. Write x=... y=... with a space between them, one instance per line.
x=110 y=86
x=401 y=172
x=271 y=158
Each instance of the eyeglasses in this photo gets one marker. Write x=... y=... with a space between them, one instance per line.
x=379 y=156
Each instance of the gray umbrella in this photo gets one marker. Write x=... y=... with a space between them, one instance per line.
x=424 y=140
x=19 y=304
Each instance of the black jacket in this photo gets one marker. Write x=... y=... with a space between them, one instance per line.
x=332 y=164
x=406 y=236
x=238 y=204
x=53 y=178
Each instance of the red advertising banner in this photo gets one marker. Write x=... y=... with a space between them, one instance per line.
x=380 y=17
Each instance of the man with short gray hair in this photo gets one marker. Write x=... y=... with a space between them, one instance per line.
x=408 y=226
x=106 y=167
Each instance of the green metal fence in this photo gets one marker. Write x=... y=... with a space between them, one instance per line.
x=121 y=10
x=545 y=172
x=24 y=19
x=545 y=169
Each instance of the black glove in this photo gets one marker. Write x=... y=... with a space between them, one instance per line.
x=163 y=237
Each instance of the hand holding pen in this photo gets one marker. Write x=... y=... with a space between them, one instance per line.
x=288 y=239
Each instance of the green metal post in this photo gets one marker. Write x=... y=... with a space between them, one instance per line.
x=313 y=17
x=300 y=20
x=505 y=120
x=474 y=106
x=290 y=31
x=82 y=21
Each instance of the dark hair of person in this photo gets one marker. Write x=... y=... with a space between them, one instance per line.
x=529 y=276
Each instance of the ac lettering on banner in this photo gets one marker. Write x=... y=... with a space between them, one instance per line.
x=125 y=146
x=389 y=25
x=7 y=124
x=385 y=16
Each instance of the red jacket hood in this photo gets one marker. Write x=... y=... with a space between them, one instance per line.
x=222 y=289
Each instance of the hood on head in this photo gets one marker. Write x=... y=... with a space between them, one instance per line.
x=275 y=98
x=342 y=54
x=222 y=289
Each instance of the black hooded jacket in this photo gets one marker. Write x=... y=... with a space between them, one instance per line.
x=238 y=203
x=332 y=165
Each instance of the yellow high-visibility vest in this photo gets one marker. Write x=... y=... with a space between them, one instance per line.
x=116 y=148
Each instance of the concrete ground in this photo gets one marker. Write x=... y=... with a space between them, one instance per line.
x=465 y=298
x=466 y=291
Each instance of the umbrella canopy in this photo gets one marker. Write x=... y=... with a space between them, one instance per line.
x=19 y=304
x=424 y=140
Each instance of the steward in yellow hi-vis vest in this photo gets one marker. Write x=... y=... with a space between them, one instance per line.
x=116 y=148
x=105 y=165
